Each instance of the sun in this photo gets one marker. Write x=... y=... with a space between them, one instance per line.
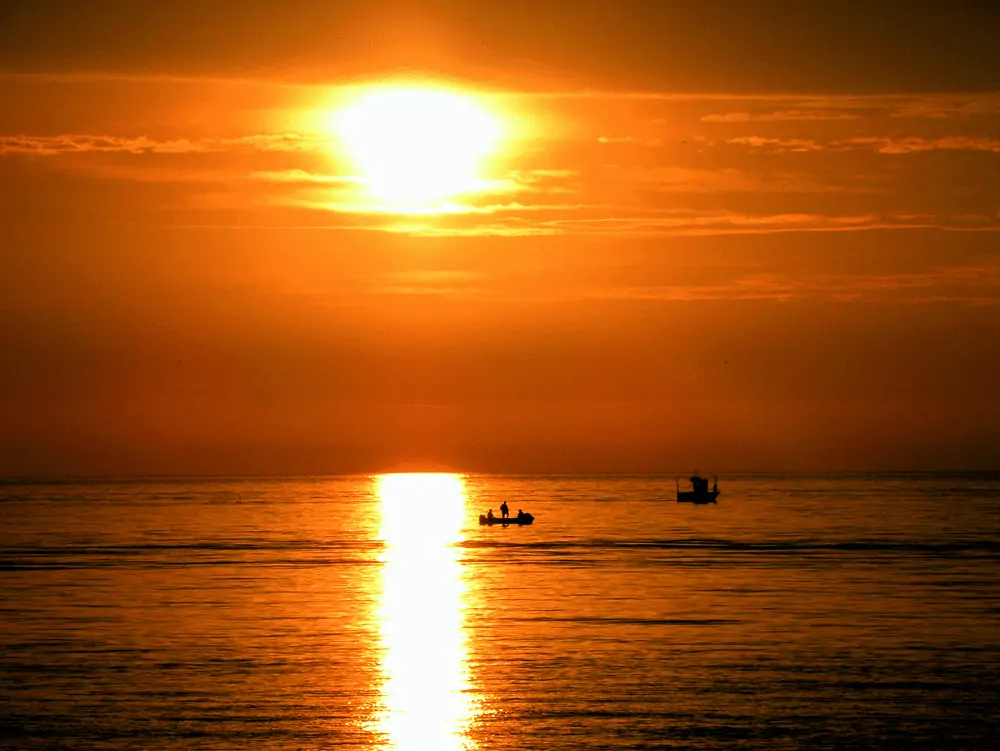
x=415 y=146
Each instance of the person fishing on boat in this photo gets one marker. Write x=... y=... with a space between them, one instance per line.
x=520 y=515
x=504 y=511
x=489 y=514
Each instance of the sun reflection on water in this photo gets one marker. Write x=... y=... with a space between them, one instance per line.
x=426 y=704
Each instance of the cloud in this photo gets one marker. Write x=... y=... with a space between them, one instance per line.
x=687 y=222
x=779 y=116
x=692 y=222
x=519 y=192
x=515 y=219
x=106 y=144
x=573 y=221
x=882 y=144
x=970 y=285
x=977 y=285
x=363 y=205
x=494 y=229
x=79 y=144
x=818 y=107
x=281 y=142
x=948 y=106
x=915 y=144
x=777 y=144
x=302 y=177
x=546 y=181
x=731 y=180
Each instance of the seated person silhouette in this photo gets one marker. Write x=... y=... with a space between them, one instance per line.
x=504 y=511
x=520 y=514
x=489 y=514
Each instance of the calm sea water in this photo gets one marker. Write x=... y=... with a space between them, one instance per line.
x=801 y=612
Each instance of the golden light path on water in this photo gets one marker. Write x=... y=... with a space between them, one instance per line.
x=426 y=704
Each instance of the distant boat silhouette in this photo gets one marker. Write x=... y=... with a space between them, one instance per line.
x=523 y=519
x=699 y=492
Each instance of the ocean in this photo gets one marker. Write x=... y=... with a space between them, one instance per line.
x=850 y=611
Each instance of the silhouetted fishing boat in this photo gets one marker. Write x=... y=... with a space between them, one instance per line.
x=699 y=492
x=523 y=519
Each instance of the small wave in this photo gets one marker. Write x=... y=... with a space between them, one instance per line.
x=762 y=546
x=616 y=621
x=206 y=546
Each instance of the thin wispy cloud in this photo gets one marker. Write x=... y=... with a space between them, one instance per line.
x=691 y=222
x=779 y=116
x=916 y=144
x=303 y=177
x=973 y=285
x=110 y=144
x=881 y=144
x=89 y=144
x=969 y=285
x=778 y=144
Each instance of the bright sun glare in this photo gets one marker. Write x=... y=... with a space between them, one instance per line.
x=417 y=146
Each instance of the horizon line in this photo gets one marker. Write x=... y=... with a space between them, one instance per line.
x=69 y=479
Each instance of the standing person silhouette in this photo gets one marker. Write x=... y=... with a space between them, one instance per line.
x=504 y=511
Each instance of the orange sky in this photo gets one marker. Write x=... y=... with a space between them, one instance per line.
x=731 y=241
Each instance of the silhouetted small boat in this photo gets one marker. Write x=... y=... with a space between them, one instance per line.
x=699 y=492
x=523 y=519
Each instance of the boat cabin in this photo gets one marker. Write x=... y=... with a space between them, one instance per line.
x=699 y=484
